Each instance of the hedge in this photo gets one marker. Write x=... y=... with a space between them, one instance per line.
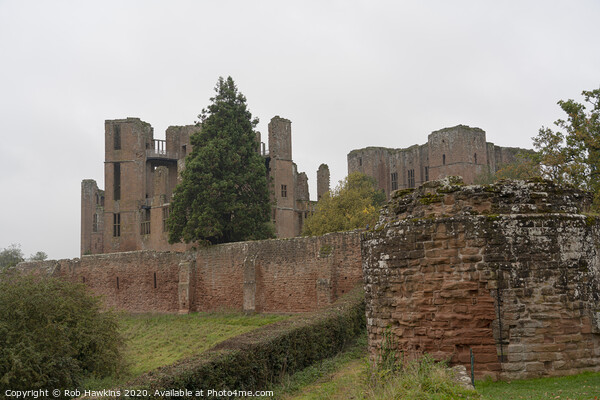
x=260 y=358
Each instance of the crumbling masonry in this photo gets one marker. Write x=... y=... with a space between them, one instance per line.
x=510 y=270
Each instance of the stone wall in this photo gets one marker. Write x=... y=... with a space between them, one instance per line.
x=292 y=275
x=511 y=271
x=459 y=150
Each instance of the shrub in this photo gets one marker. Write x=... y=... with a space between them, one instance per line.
x=261 y=358
x=53 y=334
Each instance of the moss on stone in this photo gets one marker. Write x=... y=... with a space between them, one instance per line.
x=430 y=198
x=401 y=193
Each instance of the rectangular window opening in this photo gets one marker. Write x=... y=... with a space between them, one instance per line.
x=95 y=223
x=166 y=212
x=116 y=225
x=411 y=178
x=426 y=174
x=117 y=282
x=394 y=181
x=283 y=190
x=155 y=280
x=117 y=181
x=145 y=224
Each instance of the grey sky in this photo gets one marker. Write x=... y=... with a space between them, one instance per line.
x=348 y=74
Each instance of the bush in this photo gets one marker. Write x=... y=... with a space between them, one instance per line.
x=260 y=358
x=53 y=334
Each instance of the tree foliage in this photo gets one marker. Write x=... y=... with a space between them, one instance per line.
x=353 y=204
x=224 y=195
x=53 y=334
x=11 y=256
x=525 y=166
x=571 y=154
x=39 y=256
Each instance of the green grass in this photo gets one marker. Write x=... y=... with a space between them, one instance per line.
x=323 y=378
x=349 y=376
x=345 y=376
x=154 y=340
x=584 y=386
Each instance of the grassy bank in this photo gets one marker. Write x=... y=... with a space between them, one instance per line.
x=154 y=340
x=349 y=376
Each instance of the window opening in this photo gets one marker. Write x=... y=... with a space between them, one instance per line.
x=426 y=174
x=117 y=181
x=394 y=181
x=411 y=178
x=443 y=159
x=166 y=211
x=95 y=223
x=117 y=225
x=155 y=280
x=283 y=190
x=145 y=224
x=475 y=158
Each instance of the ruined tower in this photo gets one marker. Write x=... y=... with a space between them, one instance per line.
x=322 y=180
x=289 y=188
x=140 y=174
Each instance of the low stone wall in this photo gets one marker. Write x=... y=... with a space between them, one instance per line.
x=287 y=275
x=510 y=270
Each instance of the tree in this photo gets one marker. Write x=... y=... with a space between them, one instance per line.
x=353 y=204
x=39 y=256
x=11 y=256
x=572 y=154
x=53 y=334
x=525 y=166
x=224 y=194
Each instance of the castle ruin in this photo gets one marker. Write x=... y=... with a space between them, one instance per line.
x=141 y=173
x=457 y=151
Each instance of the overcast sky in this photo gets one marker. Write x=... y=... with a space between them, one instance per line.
x=348 y=74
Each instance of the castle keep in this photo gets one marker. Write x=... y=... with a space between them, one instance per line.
x=140 y=175
x=458 y=151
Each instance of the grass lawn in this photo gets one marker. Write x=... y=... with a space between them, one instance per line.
x=584 y=386
x=154 y=340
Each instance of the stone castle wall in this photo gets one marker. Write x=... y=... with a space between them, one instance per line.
x=460 y=150
x=292 y=275
x=511 y=271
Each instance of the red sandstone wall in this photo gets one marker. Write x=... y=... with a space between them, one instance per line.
x=509 y=270
x=291 y=275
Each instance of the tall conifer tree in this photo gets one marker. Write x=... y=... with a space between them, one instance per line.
x=224 y=193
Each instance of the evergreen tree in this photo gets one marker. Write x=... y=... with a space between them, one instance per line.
x=224 y=194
